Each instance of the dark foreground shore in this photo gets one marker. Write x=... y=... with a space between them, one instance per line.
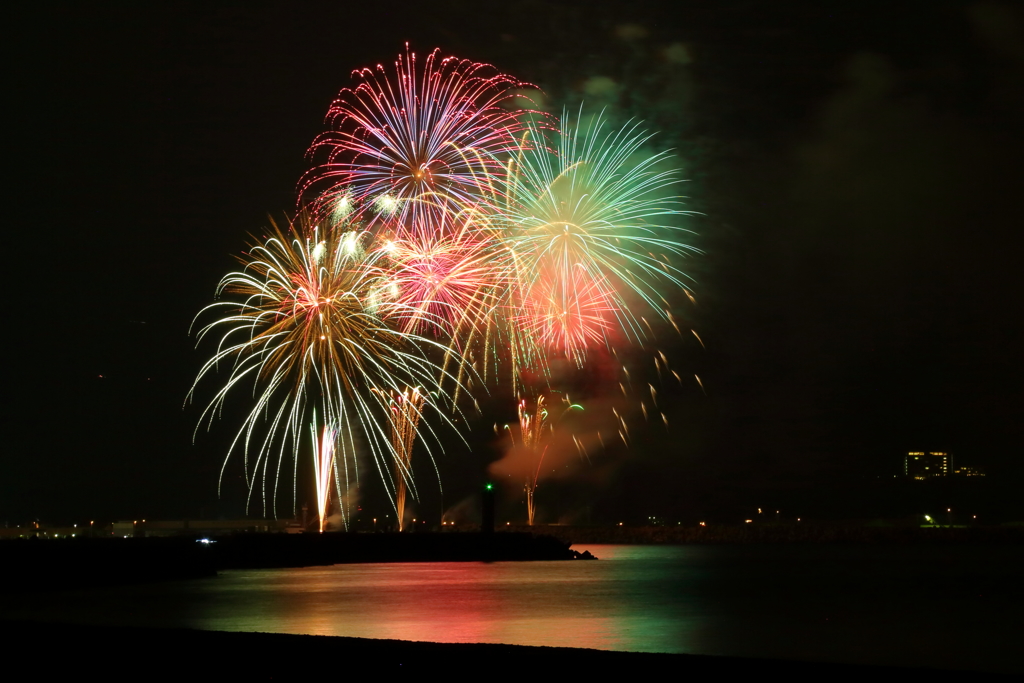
x=119 y=653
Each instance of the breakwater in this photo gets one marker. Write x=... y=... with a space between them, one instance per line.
x=37 y=564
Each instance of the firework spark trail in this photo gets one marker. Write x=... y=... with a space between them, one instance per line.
x=394 y=138
x=303 y=334
x=536 y=437
x=406 y=411
x=532 y=434
x=323 y=468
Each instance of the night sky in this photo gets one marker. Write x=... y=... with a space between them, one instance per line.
x=857 y=174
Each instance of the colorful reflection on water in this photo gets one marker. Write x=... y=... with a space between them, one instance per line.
x=918 y=606
x=573 y=604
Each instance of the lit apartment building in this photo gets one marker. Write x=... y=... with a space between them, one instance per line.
x=925 y=465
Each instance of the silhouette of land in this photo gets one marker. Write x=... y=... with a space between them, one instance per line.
x=36 y=564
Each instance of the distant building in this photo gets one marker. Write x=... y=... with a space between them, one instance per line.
x=968 y=472
x=927 y=465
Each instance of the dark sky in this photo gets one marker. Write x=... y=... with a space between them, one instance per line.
x=857 y=171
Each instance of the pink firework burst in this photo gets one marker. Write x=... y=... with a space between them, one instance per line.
x=432 y=131
x=444 y=274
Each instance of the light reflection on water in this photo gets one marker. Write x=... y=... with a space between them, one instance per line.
x=914 y=607
x=573 y=604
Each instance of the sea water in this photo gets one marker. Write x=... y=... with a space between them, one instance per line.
x=947 y=606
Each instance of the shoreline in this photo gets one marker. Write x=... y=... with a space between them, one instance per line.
x=265 y=656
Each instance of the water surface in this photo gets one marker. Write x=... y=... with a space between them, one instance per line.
x=942 y=606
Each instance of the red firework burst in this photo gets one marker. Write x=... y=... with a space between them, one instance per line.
x=567 y=310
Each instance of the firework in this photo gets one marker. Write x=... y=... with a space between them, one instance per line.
x=592 y=222
x=300 y=328
x=567 y=310
x=445 y=274
x=450 y=278
x=436 y=129
x=324 y=464
x=536 y=433
x=406 y=411
x=446 y=235
x=533 y=433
